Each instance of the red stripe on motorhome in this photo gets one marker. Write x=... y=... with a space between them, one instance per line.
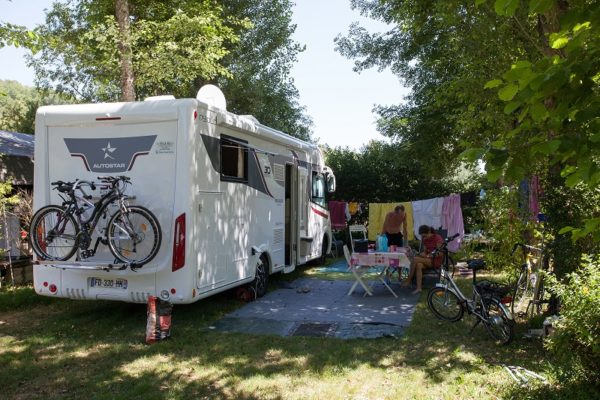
x=320 y=213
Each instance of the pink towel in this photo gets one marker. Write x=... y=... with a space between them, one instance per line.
x=452 y=220
x=337 y=210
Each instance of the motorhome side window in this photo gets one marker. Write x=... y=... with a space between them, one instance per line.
x=318 y=189
x=234 y=159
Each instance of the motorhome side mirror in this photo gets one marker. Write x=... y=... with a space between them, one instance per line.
x=330 y=183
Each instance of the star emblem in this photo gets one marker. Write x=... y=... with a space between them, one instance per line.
x=107 y=150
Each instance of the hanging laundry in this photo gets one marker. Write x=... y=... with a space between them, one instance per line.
x=452 y=220
x=534 y=193
x=427 y=212
x=337 y=211
x=377 y=213
x=354 y=207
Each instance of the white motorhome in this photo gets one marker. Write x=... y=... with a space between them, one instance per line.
x=236 y=200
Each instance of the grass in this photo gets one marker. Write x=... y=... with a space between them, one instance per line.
x=65 y=349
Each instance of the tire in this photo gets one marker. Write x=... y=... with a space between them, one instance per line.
x=53 y=234
x=445 y=304
x=261 y=277
x=499 y=324
x=522 y=294
x=134 y=236
x=536 y=306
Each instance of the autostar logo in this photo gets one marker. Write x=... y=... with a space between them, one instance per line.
x=109 y=155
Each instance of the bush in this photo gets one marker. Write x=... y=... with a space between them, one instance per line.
x=503 y=227
x=576 y=340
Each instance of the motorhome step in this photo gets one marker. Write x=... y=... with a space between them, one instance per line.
x=288 y=268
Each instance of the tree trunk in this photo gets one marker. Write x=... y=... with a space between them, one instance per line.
x=127 y=76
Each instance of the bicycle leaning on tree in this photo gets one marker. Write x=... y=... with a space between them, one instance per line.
x=132 y=233
x=528 y=295
x=487 y=303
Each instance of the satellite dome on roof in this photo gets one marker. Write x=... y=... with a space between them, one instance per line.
x=213 y=96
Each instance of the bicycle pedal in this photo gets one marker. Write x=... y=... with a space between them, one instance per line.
x=87 y=253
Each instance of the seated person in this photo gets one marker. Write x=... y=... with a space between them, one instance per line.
x=430 y=240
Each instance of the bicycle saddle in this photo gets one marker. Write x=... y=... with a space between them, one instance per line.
x=476 y=264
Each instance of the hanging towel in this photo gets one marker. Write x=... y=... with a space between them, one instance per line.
x=534 y=192
x=337 y=210
x=354 y=207
x=452 y=220
x=377 y=213
x=427 y=212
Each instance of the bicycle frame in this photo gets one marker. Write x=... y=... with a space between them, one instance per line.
x=469 y=304
x=86 y=227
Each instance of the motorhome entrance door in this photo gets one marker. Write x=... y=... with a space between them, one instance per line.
x=291 y=205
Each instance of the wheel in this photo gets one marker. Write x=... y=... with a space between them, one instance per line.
x=134 y=236
x=445 y=304
x=53 y=233
x=261 y=278
x=536 y=305
x=522 y=293
x=499 y=324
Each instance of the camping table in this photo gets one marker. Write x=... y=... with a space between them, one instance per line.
x=362 y=262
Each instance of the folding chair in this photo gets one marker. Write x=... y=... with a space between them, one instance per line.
x=357 y=229
x=435 y=272
x=336 y=245
x=358 y=272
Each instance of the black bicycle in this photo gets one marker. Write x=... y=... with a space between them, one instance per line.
x=447 y=302
x=132 y=233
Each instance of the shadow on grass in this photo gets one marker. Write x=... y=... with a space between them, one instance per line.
x=78 y=349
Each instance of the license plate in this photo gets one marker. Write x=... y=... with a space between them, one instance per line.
x=108 y=283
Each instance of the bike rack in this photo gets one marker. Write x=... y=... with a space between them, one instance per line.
x=89 y=265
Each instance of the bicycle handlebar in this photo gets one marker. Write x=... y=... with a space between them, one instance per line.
x=444 y=245
x=524 y=247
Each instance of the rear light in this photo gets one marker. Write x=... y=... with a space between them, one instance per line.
x=179 y=243
x=506 y=300
x=53 y=288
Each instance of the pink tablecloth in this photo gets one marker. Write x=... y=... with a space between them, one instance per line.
x=397 y=259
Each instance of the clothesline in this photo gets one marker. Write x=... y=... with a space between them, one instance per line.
x=439 y=212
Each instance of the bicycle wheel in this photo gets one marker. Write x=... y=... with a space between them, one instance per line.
x=499 y=323
x=134 y=236
x=445 y=304
x=53 y=234
x=536 y=305
x=523 y=293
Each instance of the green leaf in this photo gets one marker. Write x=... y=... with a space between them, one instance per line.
x=493 y=175
x=566 y=229
x=472 y=154
x=540 y=6
x=521 y=64
x=573 y=180
x=585 y=25
x=523 y=114
x=512 y=106
x=479 y=2
x=558 y=41
x=506 y=7
x=538 y=112
x=508 y=92
x=493 y=83
x=546 y=148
